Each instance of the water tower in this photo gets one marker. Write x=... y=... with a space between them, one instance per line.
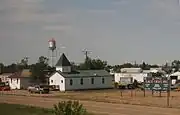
x=52 y=48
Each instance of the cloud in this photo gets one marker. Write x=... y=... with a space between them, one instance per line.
x=57 y=27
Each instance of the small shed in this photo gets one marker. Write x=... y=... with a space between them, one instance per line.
x=20 y=79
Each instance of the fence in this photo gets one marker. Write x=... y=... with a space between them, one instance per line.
x=134 y=97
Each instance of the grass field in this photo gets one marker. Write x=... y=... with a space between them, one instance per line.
x=114 y=96
x=92 y=106
x=15 y=109
x=125 y=97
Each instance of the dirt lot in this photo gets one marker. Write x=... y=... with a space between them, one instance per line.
x=92 y=106
x=113 y=96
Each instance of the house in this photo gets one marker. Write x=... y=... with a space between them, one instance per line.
x=20 y=79
x=4 y=77
x=67 y=79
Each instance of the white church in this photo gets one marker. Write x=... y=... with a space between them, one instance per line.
x=66 y=79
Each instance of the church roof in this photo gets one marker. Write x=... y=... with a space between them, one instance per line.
x=86 y=73
x=63 y=61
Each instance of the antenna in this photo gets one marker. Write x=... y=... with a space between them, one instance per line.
x=86 y=52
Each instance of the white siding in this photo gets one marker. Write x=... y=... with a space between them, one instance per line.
x=76 y=85
x=59 y=80
x=138 y=76
x=64 y=69
x=18 y=83
x=14 y=83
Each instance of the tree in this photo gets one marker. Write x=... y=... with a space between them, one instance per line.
x=98 y=64
x=38 y=70
x=167 y=68
x=1 y=68
x=94 y=64
x=145 y=66
x=69 y=108
x=176 y=65
x=117 y=68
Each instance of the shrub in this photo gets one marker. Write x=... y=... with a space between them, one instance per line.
x=69 y=108
x=116 y=85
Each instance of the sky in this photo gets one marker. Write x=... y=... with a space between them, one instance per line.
x=117 y=31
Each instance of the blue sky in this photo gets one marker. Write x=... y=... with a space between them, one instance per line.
x=114 y=30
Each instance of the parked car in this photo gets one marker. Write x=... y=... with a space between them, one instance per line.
x=4 y=86
x=54 y=87
x=39 y=89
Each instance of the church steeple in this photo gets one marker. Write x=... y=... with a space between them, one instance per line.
x=63 y=64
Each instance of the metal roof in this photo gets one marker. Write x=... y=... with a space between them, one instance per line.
x=131 y=70
x=63 y=61
x=86 y=73
x=24 y=73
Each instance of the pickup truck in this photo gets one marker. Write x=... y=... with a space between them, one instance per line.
x=38 y=89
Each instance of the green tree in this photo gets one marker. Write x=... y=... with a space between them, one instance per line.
x=38 y=70
x=1 y=68
x=94 y=64
x=145 y=66
x=167 y=68
x=176 y=65
x=69 y=108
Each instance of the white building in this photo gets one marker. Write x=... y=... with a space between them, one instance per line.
x=67 y=79
x=175 y=77
x=20 y=79
x=136 y=73
x=4 y=77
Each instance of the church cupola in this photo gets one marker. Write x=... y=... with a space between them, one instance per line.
x=63 y=64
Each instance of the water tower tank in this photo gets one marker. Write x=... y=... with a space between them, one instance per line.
x=52 y=44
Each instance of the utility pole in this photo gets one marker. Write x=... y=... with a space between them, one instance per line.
x=86 y=52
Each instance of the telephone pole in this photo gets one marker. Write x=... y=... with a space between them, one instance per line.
x=86 y=52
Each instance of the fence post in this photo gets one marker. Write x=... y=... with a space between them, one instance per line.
x=160 y=93
x=168 y=91
x=152 y=93
x=144 y=90
x=131 y=93
x=121 y=93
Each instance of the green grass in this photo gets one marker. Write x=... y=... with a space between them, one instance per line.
x=15 y=109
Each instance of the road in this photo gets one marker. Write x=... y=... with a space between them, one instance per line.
x=96 y=107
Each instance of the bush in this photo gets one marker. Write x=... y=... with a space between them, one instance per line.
x=116 y=85
x=69 y=108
